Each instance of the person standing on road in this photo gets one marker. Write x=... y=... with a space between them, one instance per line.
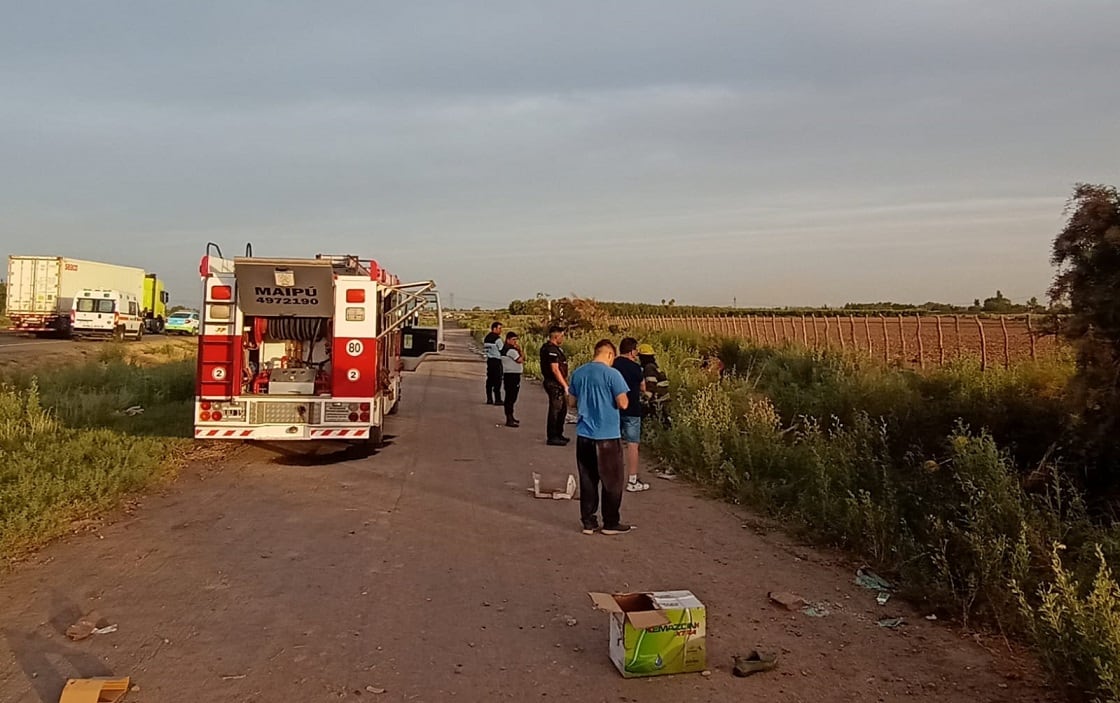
x=657 y=385
x=492 y=350
x=554 y=375
x=627 y=364
x=513 y=363
x=601 y=393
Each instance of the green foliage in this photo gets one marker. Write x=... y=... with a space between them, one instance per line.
x=69 y=451
x=1077 y=628
x=1087 y=254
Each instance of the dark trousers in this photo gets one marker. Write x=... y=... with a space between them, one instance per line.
x=494 y=380
x=513 y=389
x=600 y=463
x=557 y=409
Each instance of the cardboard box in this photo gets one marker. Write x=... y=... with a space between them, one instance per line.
x=99 y=690
x=661 y=632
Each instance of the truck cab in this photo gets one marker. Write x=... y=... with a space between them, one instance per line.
x=108 y=314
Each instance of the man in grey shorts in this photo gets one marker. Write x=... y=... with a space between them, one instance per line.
x=631 y=418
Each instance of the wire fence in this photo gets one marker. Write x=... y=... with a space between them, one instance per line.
x=913 y=340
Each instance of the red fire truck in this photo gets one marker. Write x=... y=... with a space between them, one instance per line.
x=306 y=349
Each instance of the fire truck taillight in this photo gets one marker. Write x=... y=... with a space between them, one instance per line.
x=221 y=293
x=204 y=405
x=216 y=415
x=220 y=312
x=355 y=314
x=364 y=407
x=353 y=417
x=364 y=417
x=355 y=295
x=204 y=416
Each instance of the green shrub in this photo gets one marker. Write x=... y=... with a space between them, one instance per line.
x=1077 y=628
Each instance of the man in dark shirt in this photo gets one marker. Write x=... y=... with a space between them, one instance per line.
x=554 y=375
x=492 y=349
x=631 y=417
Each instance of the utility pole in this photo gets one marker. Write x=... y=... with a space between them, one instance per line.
x=452 y=300
x=734 y=302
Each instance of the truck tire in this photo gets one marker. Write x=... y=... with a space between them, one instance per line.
x=376 y=438
x=140 y=333
x=118 y=334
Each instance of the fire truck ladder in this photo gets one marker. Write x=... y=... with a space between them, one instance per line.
x=412 y=300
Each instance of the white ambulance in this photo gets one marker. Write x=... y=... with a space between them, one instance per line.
x=110 y=314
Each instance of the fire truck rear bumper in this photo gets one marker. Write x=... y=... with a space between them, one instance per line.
x=281 y=432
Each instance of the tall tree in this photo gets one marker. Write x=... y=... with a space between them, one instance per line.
x=1087 y=255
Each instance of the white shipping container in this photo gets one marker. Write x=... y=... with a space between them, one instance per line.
x=41 y=288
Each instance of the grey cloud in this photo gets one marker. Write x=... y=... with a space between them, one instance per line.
x=753 y=147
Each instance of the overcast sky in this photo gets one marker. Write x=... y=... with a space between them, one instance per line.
x=809 y=152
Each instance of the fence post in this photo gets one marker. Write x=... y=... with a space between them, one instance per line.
x=1007 y=344
x=983 y=345
x=940 y=343
x=852 y=331
x=827 y=332
x=886 y=340
x=957 y=325
x=867 y=331
x=1030 y=335
x=750 y=326
x=774 y=328
x=816 y=334
x=921 y=344
x=902 y=337
x=840 y=333
x=804 y=331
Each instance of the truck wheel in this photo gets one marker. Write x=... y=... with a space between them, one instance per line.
x=396 y=406
x=376 y=437
x=140 y=333
x=118 y=334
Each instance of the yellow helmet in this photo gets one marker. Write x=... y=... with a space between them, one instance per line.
x=645 y=349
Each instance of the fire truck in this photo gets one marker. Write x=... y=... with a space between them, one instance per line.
x=307 y=349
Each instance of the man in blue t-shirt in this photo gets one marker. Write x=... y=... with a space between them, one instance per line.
x=601 y=392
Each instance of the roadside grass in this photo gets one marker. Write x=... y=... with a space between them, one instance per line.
x=949 y=480
x=70 y=451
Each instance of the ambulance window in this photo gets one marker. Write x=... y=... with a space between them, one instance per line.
x=133 y=308
x=86 y=304
x=105 y=305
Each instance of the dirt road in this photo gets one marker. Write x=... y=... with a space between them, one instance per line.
x=427 y=571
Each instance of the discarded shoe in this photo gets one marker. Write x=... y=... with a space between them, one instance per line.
x=754 y=662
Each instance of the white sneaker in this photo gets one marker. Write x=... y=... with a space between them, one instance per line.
x=636 y=486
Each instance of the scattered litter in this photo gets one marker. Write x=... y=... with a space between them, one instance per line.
x=815 y=610
x=754 y=662
x=890 y=623
x=882 y=598
x=570 y=621
x=86 y=625
x=107 y=630
x=135 y=688
x=554 y=492
x=931 y=616
x=373 y=689
x=97 y=690
x=870 y=580
x=705 y=672
x=667 y=474
x=233 y=677
x=133 y=411
x=787 y=600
